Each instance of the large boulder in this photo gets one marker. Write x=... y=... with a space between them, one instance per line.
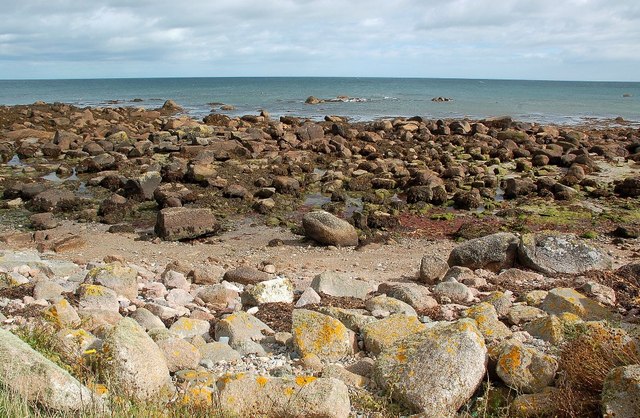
x=621 y=392
x=143 y=186
x=328 y=229
x=566 y=300
x=175 y=224
x=121 y=279
x=241 y=326
x=270 y=291
x=552 y=252
x=320 y=334
x=37 y=379
x=381 y=334
x=493 y=252
x=249 y=395
x=137 y=367
x=436 y=371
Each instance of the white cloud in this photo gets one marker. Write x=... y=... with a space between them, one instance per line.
x=428 y=38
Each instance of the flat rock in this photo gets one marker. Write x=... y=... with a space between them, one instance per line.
x=273 y=397
x=246 y=275
x=390 y=305
x=566 y=300
x=416 y=295
x=552 y=252
x=216 y=352
x=175 y=224
x=334 y=284
x=279 y=290
x=328 y=229
x=242 y=326
x=436 y=371
x=382 y=334
x=493 y=252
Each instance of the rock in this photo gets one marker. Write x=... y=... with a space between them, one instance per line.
x=175 y=224
x=308 y=297
x=334 y=284
x=179 y=354
x=561 y=300
x=47 y=290
x=354 y=319
x=188 y=328
x=216 y=352
x=552 y=252
x=143 y=186
x=319 y=334
x=518 y=187
x=382 y=334
x=93 y=297
x=629 y=187
x=416 y=295
x=147 y=320
x=487 y=321
x=435 y=371
x=43 y=221
x=432 y=269
x=218 y=296
x=241 y=326
x=390 y=305
x=273 y=397
x=62 y=314
x=328 y=229
x=54 y=200
x=514 y=277
x=492 y=252
x=601 y=293
x=270 y=291
x=37 y=379
x=246 y=275
x=621 y=392
x=519 y=314
x=137 y=365
x=551 y=328
x=121 y=279
x=337 y=371
x=313 y=100
x=525 y=369
x=542 y=404
x=171 y=106
x=454 y=291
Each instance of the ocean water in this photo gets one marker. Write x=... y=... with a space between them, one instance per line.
x=559 y=102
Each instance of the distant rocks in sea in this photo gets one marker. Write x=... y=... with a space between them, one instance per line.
x=339 y=99
x=441 y=99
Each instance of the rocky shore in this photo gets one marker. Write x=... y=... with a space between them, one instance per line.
x=285 y=267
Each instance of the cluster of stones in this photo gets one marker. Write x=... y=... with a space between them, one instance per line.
x=194 y=336
x=127 y=156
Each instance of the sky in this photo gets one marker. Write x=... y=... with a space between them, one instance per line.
x=495 y=39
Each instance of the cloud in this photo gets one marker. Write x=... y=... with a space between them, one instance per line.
x=425 y=38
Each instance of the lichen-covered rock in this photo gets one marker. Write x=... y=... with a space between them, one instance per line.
x=561 y=300
x=178 y=223
x=334 y=284
x=492 y=252
x=552 y=252
x=38 y=380
x=487 y=320
x=621 y=392
x=319 y=334
x=179 y=354
x=328 y=229
x=62 y=314
x=390 y=305
x=381 y=334
x=137 y=366
x=96 y=297
x=435 y=371
x=551 y=328
x=525 y=369
x=248 y=395
x=121 y=279
x=519 y=314
x=241 y=326
x=416 y=295
x=189 y=328
x=215 y=352
x=270 y=291
x=354 y=319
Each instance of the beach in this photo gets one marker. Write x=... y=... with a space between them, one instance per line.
x=483 y=232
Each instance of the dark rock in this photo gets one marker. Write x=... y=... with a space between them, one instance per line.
x=144 y=186
x=492 y=252
x=42 y=221
x=518 y=187
x=468 y=199
x=629 y=187
x=54 y=200
x=174 y=224
x=246 y=275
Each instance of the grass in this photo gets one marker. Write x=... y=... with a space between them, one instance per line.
x=584 y=363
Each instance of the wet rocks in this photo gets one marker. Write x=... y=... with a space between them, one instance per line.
x=174 y=224
x=328 y=229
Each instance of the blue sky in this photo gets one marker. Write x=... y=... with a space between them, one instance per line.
x=514 y=39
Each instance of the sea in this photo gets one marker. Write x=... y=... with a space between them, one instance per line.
x=359 y=99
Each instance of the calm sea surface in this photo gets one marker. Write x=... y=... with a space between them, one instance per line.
x=562 y=102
